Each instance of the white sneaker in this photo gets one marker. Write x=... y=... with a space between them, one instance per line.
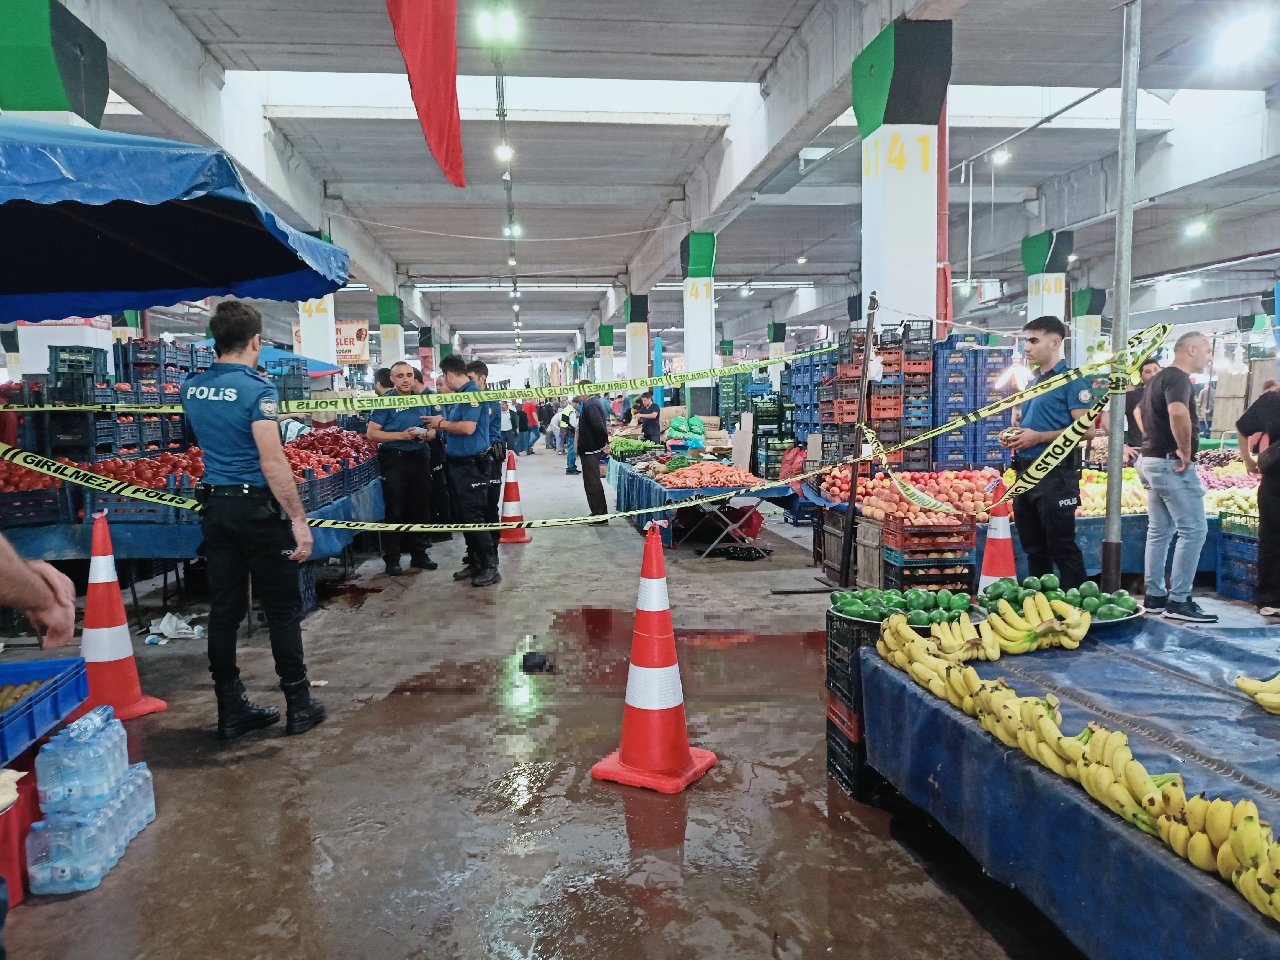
x=1269 y=611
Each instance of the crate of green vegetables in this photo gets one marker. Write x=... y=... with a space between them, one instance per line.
x=921 y=607
x=626 y=449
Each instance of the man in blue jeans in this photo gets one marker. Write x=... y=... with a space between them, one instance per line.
x=1175 y=498
x=569 y=430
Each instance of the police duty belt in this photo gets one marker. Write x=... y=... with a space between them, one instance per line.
x=1122 y=368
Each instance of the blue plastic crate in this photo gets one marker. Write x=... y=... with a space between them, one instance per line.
x=899 y=559
x=150 y=431
x=37 y=508
x=127 y=433
x=952 y=453
x=1244 y=571
x=990 y=454
x=959 y=399
x=64 y=687
x=124 y=509
x=1230 y=589
x=1235 y=547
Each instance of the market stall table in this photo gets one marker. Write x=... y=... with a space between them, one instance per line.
x=1113 y=890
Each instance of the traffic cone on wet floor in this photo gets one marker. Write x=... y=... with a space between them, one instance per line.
x=106 y=645
x=512 y=513
x=997 y=556
x=655 y=751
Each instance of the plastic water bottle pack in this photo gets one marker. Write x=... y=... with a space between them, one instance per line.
x=94 y=804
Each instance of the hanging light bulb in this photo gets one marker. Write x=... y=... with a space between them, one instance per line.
x=504 y=152
x=802 y=259
x=1001 y=157
x=511 y=261
x=515 y=307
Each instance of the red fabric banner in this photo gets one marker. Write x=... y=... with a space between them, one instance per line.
x=427 y=35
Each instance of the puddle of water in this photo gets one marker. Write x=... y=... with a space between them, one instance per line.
x=355 y=594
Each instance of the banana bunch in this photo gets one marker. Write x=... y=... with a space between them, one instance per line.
x=963 y=641
x=1110 y=774
x=1043 y=623
x=922 y=659
x=1265 y=693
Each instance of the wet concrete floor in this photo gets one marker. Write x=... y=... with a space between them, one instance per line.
x=446 y=808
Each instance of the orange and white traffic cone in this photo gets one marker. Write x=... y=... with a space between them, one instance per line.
x=655 y=751
x=106 y=645
x=511 y=510
x=997 y=556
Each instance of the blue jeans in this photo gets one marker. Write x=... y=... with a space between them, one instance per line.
x=571 y=454
x=1175 y=504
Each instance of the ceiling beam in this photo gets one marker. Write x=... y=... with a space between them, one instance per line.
x=400 y=193
x=406 y=113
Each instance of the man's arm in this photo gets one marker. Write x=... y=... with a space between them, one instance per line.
x=1137 y=418
x=378 y=435
x=1180 y=425
x=459 y=428
x=275 y=467
x=1034 y=438
x=44 y=596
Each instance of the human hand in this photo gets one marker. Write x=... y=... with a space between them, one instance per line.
x=55 y=618
x=1019 y=439
x=1184 y=461
x=1251 y=467
x=303 y=539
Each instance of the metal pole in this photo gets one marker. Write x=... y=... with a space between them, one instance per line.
x=1113 y=541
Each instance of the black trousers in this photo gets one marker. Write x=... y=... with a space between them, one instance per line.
x=441 y=497
x=246 y=537
x=472 y=481
x=406 y=489
x=497 y=478
x=1267 y=592
x=592 y=483
x=1046 y=520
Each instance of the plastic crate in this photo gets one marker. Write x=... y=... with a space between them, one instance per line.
x=150 y=431
x=1236 y=547
x=885 y=408
x=78 y=360
x=845 y=411
x=64 y=686
x=37 y=508
x=1232 y=568
x=916 y=366
x=909 y=578
x=902 y=536
x=1234 y=589
x=898 y=558
x=844 y=637
x=124 y=509
x=951 y=457
x=849 y=371
x=203 y=356
x=916 y=459
x=1240 y=524
x=990 y=454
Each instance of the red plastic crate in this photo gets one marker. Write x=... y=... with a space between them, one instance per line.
x=886 y=408
x=849 y=371
x=908 y=537
x=846 y=411
x=917 y=366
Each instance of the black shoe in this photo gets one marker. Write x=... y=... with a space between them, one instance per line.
x=1190 y=611
x=570 y=473
x=487 y=577
x=302 y=710
x=467 y=573
x=423 y=563
x=395 y=570
x=1154 y=604
x=237 y=715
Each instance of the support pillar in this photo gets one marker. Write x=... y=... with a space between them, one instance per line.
x=318 y=329
x=777 y=348
x=636 y=312
x=1045 y=257
x=52 y=66
x=1085 y=324
x=606 y=370
x=697 y=266
x=589 y=361
x=899 y=89
x=391 y=330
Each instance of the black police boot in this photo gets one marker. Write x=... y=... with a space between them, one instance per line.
x=487 y=577
x=302 y=710
x=237 y=715
x=423 y=562
x=394 y=569
x=468 y=572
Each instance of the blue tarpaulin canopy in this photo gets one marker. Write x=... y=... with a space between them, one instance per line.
x=94 y=222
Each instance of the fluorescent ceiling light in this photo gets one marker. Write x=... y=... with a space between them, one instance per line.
x=802 y=259
x=503 y=152
x=501 y=286
x=1242 y=40
x=1001 y=157
x=1072 y=257
x=1195 y=228
x=507 y=25
x=507 y=333
x=756 y=284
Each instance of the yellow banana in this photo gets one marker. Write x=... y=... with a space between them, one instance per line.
x=1163 y=825
x=1269 y=702
x=1254 y=687
x=937 y=688
x=1200 y=852
x=921 y=674
x=882 y=649
x=1179 y=838
x=1064 y=611
x=1227 y=863
x=1071 y=749
x=968 y=706
x=1005 y=630
x=1140 y=785
x=1001 y=732
x=1217 y=823
x=972 y=682
x=1097 y=744
x=1247 y=842
x=1196 y=812
x=1049 y=757
x=990 y=645
x=1175 y=800
x=1068 y=642
x=1242 y=809
x=967 y=630
x=1114 y=743
x=1246 y=881
x=900 y=660
x=955 y=680
x=1119 y=759
x=1031 y=613
x=1013 y=617
x=1043 y=610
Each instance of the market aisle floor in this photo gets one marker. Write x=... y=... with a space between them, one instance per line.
x=446 y=808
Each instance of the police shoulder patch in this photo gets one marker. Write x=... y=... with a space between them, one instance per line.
x=1085 y=396
x=268 y=406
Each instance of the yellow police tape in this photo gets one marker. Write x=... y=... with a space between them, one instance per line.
x=474 y=397
x=1141 y=346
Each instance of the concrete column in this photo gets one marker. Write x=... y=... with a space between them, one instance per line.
x=1045 y=257
x=636 y=314
x=605 y=365
x=899 y=88
x=1085 y=324
x=317 y=325
x=697 y=266
x=52 y=66
x=391 y=330
x=777 y=348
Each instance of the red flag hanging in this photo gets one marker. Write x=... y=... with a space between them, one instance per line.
x=427 y=35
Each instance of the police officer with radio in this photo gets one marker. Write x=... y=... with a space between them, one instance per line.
x=1046 y=514
x=253 y=521
x=465 y=427
x=478 y=372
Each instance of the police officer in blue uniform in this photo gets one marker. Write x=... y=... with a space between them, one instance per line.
x=1046 y=514
x=405 y=464
x=466 y=441
x=254 y=523
x=478 y=372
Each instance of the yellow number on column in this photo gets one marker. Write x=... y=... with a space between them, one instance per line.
x=866 y=161
x=706 y=289
x=897 y=153
x=926 y=152
x=693 y=291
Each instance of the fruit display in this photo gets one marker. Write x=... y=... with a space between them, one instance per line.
x=151 y=472
x=835 y=484
x=920 y=607
x=16 y=479
x=1218 y=458
x=1218 y=836
x=624 y=447
x=1265 y=693
x=1093 y=494
x=966 y=491
x=707 y=475
x=1089 y=598
x=1238 y=500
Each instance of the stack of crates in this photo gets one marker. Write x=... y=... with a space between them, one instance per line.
x=808 y=377
x=965 y=378
x=155 y=368
x=846 y=750
x=78 y=375
x=1238 y=556
x=846 y=394
x=289 y=374
x=769 y=451
x=930 y=556
x=90 y=437
x=729 y=398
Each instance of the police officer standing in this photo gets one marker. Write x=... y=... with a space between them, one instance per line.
x=466 y=440
x=253 y=522
x=1046 y=514
x=478 y=372
x=405 y=464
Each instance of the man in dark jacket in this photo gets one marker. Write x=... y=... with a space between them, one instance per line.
x=593 y=446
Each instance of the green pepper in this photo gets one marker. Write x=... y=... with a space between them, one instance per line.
x=959 y=602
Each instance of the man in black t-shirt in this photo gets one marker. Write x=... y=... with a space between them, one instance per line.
x=1263 y=416
x=1133 y=412
x=1175 y=498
